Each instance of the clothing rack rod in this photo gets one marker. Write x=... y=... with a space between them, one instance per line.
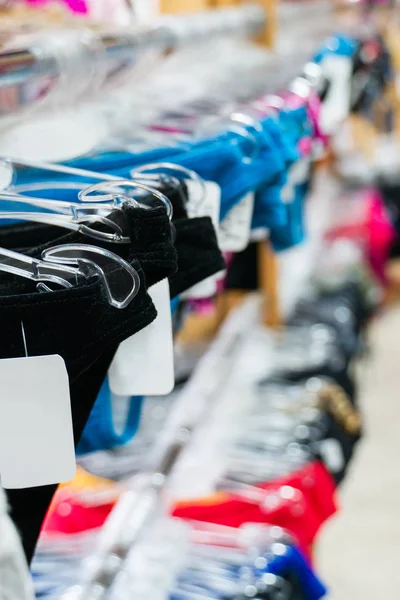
x=18 y=66
x=137 y=508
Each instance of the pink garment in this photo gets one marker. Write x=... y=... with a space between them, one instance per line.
x=314 y=111
x=381 y=234
x=305 y=146
x=75 y=6
x=202 y=306
x=374 y=231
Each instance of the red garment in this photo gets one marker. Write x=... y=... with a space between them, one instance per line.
x=299 y=503
x=72 y=515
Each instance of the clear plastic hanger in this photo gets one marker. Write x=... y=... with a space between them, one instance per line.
x=151 y=171
x=71 y=264
x=38 y=270
x=110 y=191
x=105 y=192
x=92 y=260
x=72 y=209
x=213 y=562
x=73 y=223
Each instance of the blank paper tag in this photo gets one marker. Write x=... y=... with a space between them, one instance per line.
x=234 y=230
x=206 y=204
x=205 y=289
x=205 y=200
x=144 y=363
x=298 y=173
x=36 y=435
x=336 y=105
x=332 y=454
x=6 y=174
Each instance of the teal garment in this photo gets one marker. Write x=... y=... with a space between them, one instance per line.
x=293 y=561
x=285 y=221
x=224 y=159
x=292 y=232
x=340 y=44
x=99 y=432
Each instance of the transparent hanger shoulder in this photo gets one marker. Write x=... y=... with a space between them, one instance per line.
x=103 y=177
x=121 y=281
x=73 y=224
x=38 y=270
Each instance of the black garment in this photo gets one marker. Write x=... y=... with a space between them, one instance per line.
x=29 y=506
x=148 y=229
x=344 y=309
x=339 y=376
x=390 y=191
x=80 y=325
x=243 y=272
x=195 y=257
x=347 y=444
x=372 y=70
x=199 y=255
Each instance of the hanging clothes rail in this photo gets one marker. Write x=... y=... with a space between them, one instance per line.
x=137 y=508
x=40 y=59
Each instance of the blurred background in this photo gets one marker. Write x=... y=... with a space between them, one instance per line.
x=244 y=444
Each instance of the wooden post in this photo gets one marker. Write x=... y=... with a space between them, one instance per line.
x=183 y=6
x=268 y=267
x=268 y=276
x=267 y=263
x=267 y=37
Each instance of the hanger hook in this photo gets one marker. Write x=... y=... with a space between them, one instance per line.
x=167 y=166
x=93 y=260
x=112 y=188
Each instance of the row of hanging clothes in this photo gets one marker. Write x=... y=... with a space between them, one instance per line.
x=257 y=436
x=103 y=257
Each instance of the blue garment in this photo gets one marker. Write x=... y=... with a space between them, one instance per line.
x=292 y=232
x=222 y=159
x=239 y=165
x=294 y=562
x=99 y=432
x=283 y=220
x=340 y=44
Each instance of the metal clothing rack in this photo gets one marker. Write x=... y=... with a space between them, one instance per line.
x=22 y=65
x=136 y=509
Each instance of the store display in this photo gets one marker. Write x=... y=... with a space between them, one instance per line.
x=124 y=261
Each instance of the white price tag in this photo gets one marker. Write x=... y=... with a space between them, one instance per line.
x=332 y=454
x=144 y=363
x=55 y=135
x=336 y=105
x=259 y=235
x=234 y=230
x=298 y=173
x=6 y=174
x=204 y=289
x=36 y=435
x=204 y=200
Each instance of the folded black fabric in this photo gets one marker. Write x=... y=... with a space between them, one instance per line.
x=346 y=442
x=199 y=255
x=243 y=272
x=29 y=506
x=148 y=229
x=78 y=324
